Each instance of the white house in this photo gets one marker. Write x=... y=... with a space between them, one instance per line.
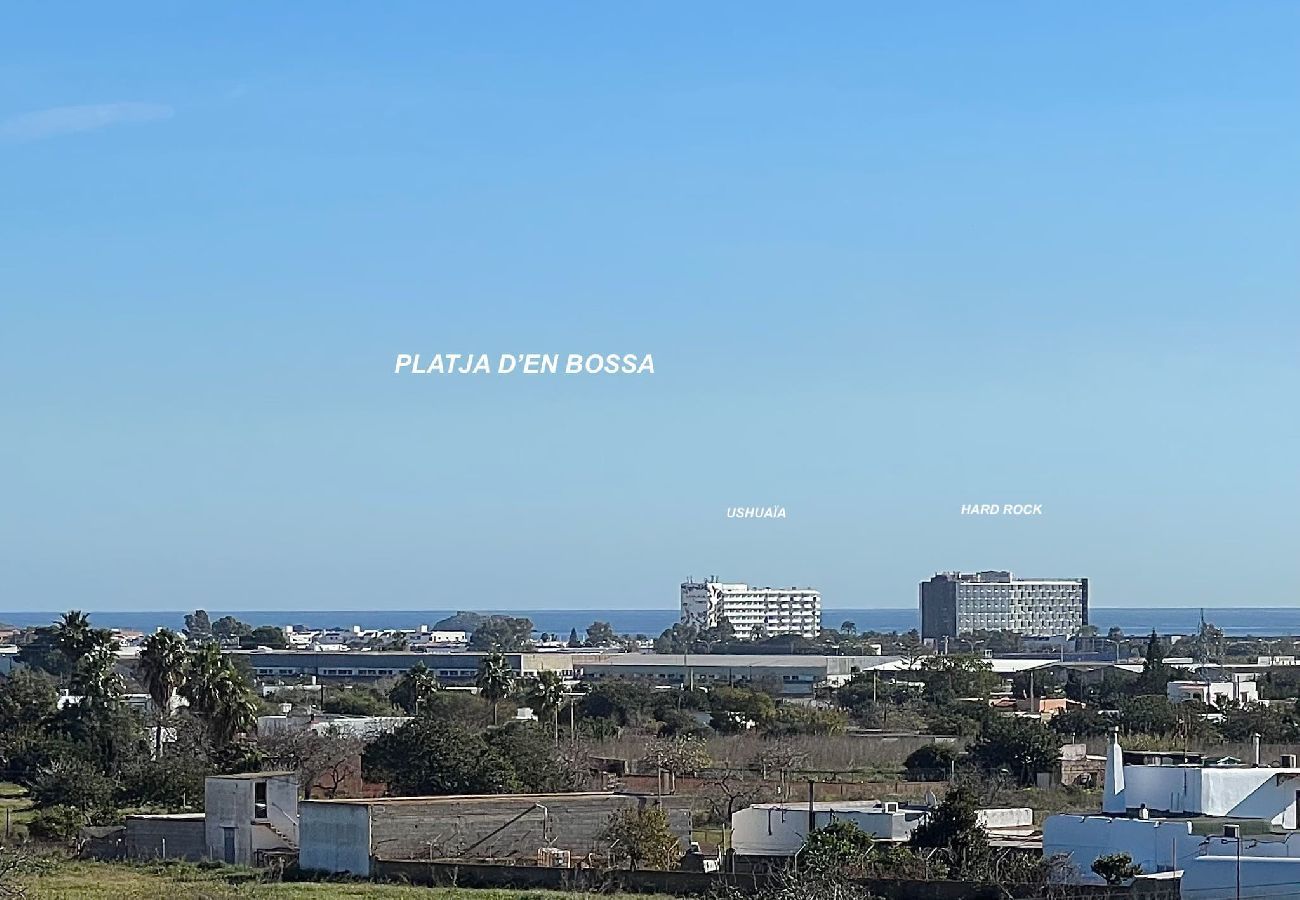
x=779 y=829
x=1215 y=693
x=1166 y=816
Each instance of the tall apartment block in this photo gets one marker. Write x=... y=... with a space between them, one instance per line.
x=752 y=610
x=955 y=603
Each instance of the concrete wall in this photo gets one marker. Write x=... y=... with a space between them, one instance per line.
x=1215 y=878
x=165 y=837
x=496 y=827
x=694 y=884
x=335 y=837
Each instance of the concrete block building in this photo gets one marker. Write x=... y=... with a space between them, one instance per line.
x=245 y=815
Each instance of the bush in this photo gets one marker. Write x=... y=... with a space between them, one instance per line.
x=1116 y=869
x=61 y=823
x=931 y=759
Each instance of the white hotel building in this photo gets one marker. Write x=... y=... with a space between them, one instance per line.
x=752 y=610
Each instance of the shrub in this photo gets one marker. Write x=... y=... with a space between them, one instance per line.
x=61 y=823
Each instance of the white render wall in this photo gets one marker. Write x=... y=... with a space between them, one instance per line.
x=773 y=829
x=1246 y=793
x=1154 y=844
x=1262 y=878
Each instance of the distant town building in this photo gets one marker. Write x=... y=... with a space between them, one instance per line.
x=786 y=674
x=752 y=611
x=450 y=668
x=1220 y=691
x=955 y=603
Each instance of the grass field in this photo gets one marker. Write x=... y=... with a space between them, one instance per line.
x=182 y=881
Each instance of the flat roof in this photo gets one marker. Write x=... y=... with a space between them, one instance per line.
x=839 y=806
x=247 y=776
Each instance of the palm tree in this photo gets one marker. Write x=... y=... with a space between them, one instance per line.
x=96 y=679
x=218 y=693
x=163 y=663
x=546 y=694
x=75 y=640
x=413 y=688
x=72 y=632
x=495 y=681
x=236 y=709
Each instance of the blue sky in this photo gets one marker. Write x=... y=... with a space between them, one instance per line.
x=888 y=261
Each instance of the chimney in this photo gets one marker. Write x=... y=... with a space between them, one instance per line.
x=1254 y=743
x=1112 y=798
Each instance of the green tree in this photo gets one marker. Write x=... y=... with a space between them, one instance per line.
x=163 y=664
x=1150 y=715
x=413 y=690
x=217 y=692
x=61 y=648
x=546 y=695
x=538 y=766
x=1024 y=747
x=503 y=634
x=836 y=848
x=1155 y=675
x=679 y=638
x=956 y=676
x=228 y=628
x=621 y=702
x=1081 y=723
x=643 y=837
x=954 y=827
x=495 y=681
x=573 y=638
x=736 y=708
x=930 y=760
x=1116 y=868
x=429 y=757
x=601 y=634
x=265 y=636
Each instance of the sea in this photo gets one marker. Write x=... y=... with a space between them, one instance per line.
x=1237 y=621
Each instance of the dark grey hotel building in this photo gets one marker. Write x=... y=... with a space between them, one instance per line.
x=956 y=603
